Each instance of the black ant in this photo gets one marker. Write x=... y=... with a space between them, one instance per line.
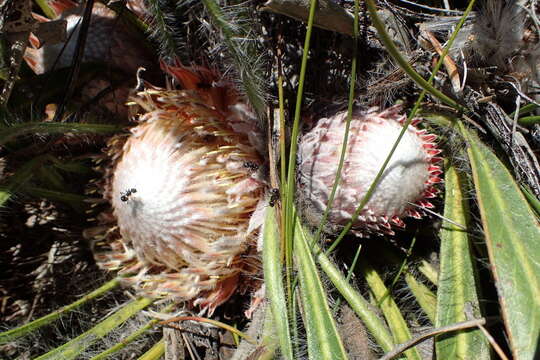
x=125 y=195
x=274 y=197
x=251 y=165
x=208 y=138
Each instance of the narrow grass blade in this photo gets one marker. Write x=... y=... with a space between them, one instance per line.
x=391 y=312
x=131 y=337
x=45 y=7
x=356 y=301
x=163 y=26
x=458 y=292
x=429 y=272
x=533 y=201
x=75 y=200
x=527 y=109
x=50 y=178
x=273 y=280
x=323 y=337
x=126 y=341
x=529 y=120
x=131 y=19
x=407 y=68
x=246 y=63
x=74 y=348
x=23 y=174
x=512 y=237
x=11 y=335
x=345 y=141
x=11 y=132
x=423 y=295
x=295 y=131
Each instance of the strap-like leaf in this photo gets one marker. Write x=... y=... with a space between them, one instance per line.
x=513 y=241
x=392 y=314
x=273 y=280
x=47 y=319
x=10 y=133
x=323 y=337
x=458 y=284
x=74 y=348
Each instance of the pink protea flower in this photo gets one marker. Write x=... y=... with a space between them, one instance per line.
x=408 y=179
x=183 y=190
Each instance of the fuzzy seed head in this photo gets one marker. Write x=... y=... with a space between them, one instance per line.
x=498 y=31
x=408 y=177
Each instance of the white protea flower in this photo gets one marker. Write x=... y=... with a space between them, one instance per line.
x=183 y=188
x=408 y=179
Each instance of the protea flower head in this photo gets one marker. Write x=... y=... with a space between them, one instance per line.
x=408 y=179
x=183 y=189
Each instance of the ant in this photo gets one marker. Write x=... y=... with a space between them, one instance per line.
x=251 y=165
x=274 y=197
x=125 y=195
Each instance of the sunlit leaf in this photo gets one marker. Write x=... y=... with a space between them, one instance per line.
x=512 y=237
x=392 y=314
x=74 y=348
x=27 y=329
x=273 y=280
x=322 y=335
x=458 y=294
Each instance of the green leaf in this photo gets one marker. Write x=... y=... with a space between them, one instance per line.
x=391 y=312
x=51 y=178
x=512 y=238
x=458 y=293
x=423 y=295
x=155 y=352
x=429 y=271
x=75 y=200
x=46 y=8
x=11 y=132
x=527 y=109
x=232 y=32
x=529 y=120
x=403 y=63
x=133 y=336
x=13 y=334
x=323 y=337
x=74 y=348
x=362 y=308
x=533 y=201
x=273 y=280
x=21 y=177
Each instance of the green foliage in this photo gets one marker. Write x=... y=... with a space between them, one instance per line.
x=11 y=335
x=274 y=285
x=458 y=288
x=322 y=335
x=74 y=348
x=12 y=132
x=164 y=27
x=511 y=232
